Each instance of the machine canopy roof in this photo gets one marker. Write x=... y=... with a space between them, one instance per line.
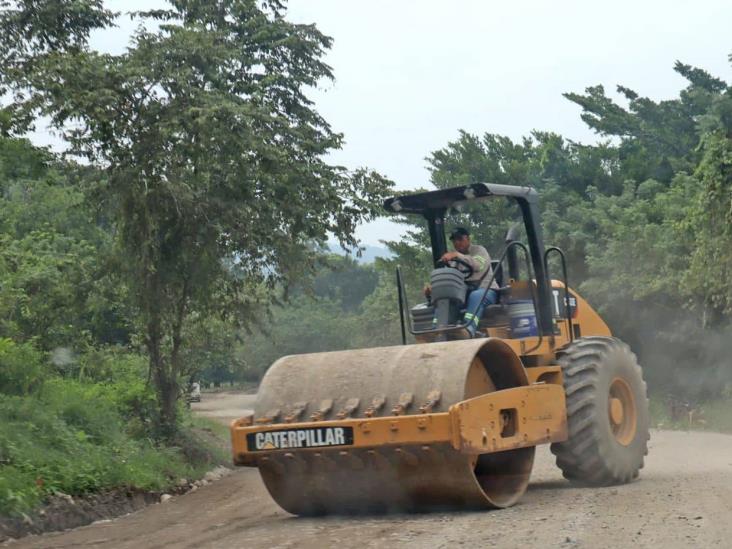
x=443 y=199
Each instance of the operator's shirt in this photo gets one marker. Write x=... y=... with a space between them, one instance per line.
x=479 y=259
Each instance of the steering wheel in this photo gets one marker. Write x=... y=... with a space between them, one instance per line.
x=460 y=264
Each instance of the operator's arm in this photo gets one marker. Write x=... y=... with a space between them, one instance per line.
x=478 y=259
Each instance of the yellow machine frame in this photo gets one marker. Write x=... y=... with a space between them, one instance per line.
x=503 y=420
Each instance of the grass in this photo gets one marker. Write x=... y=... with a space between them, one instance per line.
x=215 y=428
x=718 y=415
x=78 y=438
x=715 y=415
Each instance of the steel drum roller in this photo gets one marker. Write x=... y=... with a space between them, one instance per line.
x=400 y=380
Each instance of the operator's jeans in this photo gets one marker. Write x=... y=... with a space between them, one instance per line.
x=476 y=299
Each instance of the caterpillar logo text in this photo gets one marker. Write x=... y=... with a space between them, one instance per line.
x=300 y=438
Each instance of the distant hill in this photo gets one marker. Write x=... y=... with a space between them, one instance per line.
x=368 y=254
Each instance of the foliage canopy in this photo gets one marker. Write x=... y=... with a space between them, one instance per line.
x=212 y=154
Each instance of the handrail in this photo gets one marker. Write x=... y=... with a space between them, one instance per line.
x=567 y=308
x=401 y=306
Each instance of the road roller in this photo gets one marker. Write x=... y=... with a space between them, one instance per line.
x=452 y=419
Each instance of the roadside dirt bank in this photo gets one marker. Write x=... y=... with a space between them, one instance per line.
x=64 y=512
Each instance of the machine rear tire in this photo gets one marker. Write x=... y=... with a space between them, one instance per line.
x=607 y=413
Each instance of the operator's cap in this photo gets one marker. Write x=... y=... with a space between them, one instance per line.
x=459 y=232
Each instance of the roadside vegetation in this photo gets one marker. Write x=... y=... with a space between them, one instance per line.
x=65 y=435
x=714 y=415
x=193 y=188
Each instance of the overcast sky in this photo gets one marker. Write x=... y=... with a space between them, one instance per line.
x=411 y=73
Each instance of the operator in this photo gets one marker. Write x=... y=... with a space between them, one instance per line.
x=478 y=258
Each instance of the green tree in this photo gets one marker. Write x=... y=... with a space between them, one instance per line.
x=657 y=139
x=710 y=215
x=567 y=175
x=54 y=251
x=643 y=216
x=346 y=305
x=212 y=152
x=344 y=280
x=303 y=325
x=213 y=352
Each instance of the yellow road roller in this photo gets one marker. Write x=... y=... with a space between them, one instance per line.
x=453 y=420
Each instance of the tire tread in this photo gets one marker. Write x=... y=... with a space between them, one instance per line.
x=580 y=457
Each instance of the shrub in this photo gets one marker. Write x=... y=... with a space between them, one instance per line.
x=22 y=368
x=76 y=437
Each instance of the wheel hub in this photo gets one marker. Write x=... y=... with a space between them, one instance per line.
x=616 y=411
x=622 y=411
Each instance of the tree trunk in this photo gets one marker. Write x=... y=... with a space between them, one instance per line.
x=166 y=388
x=168 y=397
x=164 y=377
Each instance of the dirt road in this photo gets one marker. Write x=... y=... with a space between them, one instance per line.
x=684 y=499
x=223 y=407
